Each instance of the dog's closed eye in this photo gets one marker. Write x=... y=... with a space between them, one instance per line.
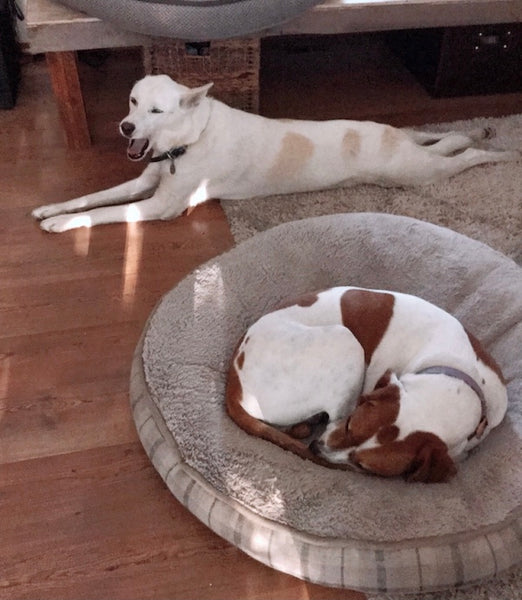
x=155 y=110
x=133 y=101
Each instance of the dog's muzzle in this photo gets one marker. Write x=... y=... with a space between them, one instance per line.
x=137 y=146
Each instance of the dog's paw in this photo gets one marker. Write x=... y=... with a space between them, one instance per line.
x=482 y=133
x=489 y=133
x=46 y=211
x=62 y=223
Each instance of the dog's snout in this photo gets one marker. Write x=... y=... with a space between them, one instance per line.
x=316 y=445
x=127 y=128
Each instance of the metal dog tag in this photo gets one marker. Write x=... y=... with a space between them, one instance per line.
x=172 y=166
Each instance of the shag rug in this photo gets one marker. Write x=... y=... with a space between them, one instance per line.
x=484 y=203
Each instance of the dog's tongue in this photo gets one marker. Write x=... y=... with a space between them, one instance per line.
x=137 y=148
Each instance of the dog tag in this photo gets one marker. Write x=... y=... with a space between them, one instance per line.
x=172 y=166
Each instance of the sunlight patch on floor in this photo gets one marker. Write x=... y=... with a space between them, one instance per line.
x=5 y=373
x=209 y=288
x=82 y=241
x=131 y=260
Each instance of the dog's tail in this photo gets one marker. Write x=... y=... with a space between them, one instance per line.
x=253 y=426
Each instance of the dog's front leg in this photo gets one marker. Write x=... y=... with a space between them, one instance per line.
x=163 y=204
x=131 y=190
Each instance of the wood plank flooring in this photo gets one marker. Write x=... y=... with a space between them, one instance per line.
x=83 y=514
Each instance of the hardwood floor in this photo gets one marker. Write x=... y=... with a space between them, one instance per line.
x=83 y=514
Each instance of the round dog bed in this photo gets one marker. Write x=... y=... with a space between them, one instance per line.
x=195 y=20
x=333 y=527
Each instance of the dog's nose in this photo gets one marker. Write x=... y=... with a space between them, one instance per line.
x=315 y=446
x=127 y=128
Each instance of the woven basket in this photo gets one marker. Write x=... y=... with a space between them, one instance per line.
x=233 y=66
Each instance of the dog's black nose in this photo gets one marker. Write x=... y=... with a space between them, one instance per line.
x=315 y=446
x=127 y=128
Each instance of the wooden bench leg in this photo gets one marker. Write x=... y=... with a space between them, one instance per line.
x=63 y=69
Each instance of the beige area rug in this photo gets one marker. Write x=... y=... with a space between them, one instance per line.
x=484 y=203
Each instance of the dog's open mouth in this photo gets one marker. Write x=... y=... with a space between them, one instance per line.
x=137 y=148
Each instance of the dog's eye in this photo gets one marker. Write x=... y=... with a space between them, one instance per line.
x=133 y=101
x=155 y=110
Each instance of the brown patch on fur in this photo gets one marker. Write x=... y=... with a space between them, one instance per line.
x=485 y=356
x=351 y=143
x=367 y=315
x=375 y=411
x=383 y=380
x=240 y=360
x=421 y=456
x=337 y=438
x=296 y=150
x=388 y=434
x=390 y=140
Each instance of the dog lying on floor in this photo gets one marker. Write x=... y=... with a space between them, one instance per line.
x=406 y=390
x=202 y=149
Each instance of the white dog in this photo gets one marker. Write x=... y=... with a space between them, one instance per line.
x=406 y=388
x=204 y=149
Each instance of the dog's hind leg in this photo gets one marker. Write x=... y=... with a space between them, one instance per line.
x=435 y=167
x=452 y=140
x=425 y=138
x=458 y=141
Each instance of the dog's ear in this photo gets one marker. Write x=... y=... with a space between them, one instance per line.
x=421 y=456
x=193 y=97
x=432 y=463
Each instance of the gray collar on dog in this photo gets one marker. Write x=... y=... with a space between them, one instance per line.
x=458 y=374
x=171 y=155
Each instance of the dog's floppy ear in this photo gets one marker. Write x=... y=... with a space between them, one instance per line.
x=193 y=97
x=432 y=463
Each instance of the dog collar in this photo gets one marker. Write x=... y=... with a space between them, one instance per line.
x=171 y=155
x=458 y=374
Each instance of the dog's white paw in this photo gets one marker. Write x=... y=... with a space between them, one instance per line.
x=62 y=223
x=489 y=132
x=482 y=133
x=46 y=211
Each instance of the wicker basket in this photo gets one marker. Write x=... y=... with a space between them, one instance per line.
x=233 y=66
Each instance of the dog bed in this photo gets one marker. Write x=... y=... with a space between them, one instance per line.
x=333 y=527
x=194 y=20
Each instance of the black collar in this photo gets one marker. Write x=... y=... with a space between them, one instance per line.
x=171 y=155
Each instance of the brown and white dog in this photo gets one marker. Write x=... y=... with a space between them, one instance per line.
x=406 y=389
x=202 y=148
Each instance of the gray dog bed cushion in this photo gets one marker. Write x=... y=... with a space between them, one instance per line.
x=194 y=20
x=333 y=527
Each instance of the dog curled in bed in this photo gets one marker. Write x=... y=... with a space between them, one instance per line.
x=201 y=149
x=405 y=389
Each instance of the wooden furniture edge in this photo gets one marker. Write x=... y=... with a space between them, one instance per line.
x=48 y=29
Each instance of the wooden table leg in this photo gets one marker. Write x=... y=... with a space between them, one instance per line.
x=63 y=69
